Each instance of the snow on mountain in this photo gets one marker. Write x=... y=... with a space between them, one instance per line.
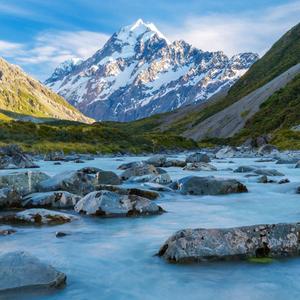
x=138 y=72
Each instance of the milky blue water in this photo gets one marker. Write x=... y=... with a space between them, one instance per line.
x=114 y=258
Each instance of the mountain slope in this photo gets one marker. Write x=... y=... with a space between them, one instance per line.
x=283 y=55
x=139 y=73
x=21 y=94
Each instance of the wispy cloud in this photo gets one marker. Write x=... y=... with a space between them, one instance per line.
x=251 y=31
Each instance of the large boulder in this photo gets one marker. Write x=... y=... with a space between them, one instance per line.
x=139 y=170
x=37 y=216
x=157 y=160
x=257 y=241
x=267 y=149
x=9 y=198
x=80 y=182
x=226 y=152
x=12 y=157
x=109 y=204
x=55 y=156
x=193 y=185
x=23 y=182
x=128 y=191
x=198 y=157
x=200 y=166
x=19 y=270
x=57 y=199
x=268 y=172
x=107 y=177
x=130 y=165
x=244 y=169
x=174 y=163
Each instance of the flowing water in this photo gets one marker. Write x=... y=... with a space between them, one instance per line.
x=114 y=258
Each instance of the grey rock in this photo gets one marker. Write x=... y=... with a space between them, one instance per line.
x=37 y=216
x=267 y=149
x=157 y=160
x=200 y=166
x=226 y=152
x=130 y=165
x=9 y=198
x=244 y=169
x=23 y=182
x=201 y=245
x=9 y=231
x=268 y=172
x=109 y=204
x=174 y=163
x=57 y=199
x=297 y=165
x=19 y=270
x=139 y=170
x=194 y=185
x=287 y=161
x=107 y=177
x=198 y=157
x=55 y=156
x=282 y=181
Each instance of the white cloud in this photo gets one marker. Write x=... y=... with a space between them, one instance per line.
x=8 y=48
x=252 y=31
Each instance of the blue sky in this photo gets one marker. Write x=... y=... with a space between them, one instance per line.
x=39 y=34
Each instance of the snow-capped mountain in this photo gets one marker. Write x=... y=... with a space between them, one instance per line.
x=138 y=72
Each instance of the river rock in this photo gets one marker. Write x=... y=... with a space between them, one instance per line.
x=37 y=216
x=107 y=177
x=200 y=166
x=297 y=165
x=283 y=181
x=267 y=149
x=109 y=204
x=19 y=270
x=55 y=156
x=129 y=191
x=198 y=157
x=138 y=171
x=265 y=179
x=201 y=245
x=9 y=198
x=9 y=231
x=57 y=199
x=268 y=172
x=287 y=161
x=12 y=157
x=244 y=169
x=193 y=185
x=157 y=160
x=174 y=163
x=226 y=152
x=22 y=182
x=157 y=187
x=130 y=165
x=80 y=182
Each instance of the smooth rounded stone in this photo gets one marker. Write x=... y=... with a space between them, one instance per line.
x=267 y=149
x=244 y=169
x=79 y=182
x=12 y=157
x=157 y=187
x=9 y=231
x=264 y=160
x=108 y=177
x=19 y=270
x=200 y=166
x=283 y=181
x=9 y=198
x=157 y=160
x=140 y=170
x=268 y=172
x=130 y=165
x=129 y=191
x=78 y=161
x=193 y=185
x=109 y=204
x=202 y=245
x=198 y=157
x=55 y=156
x=265 y=179
x=287 y=161
x=297 y=165
x=226 y=152
x=57 y=199
x=23 y=182
x=37 y=216
x=174 y=163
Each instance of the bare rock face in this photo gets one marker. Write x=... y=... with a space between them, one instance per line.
x=109 y=204
x=22 y=270
x=57 y=199
x=37 y=216
x=201 y=245
x=193 y=185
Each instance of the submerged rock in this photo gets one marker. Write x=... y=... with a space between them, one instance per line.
x=201 y=245
x=200 y=166
x=12 y=157
x=4 y=232
x=22 y=270
x=193 y=185
x=57 y=199
x=38 y=217
x=79 y=182
x=198 y=157
x=268 y=172
x=22 y=182
x=109 y=204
